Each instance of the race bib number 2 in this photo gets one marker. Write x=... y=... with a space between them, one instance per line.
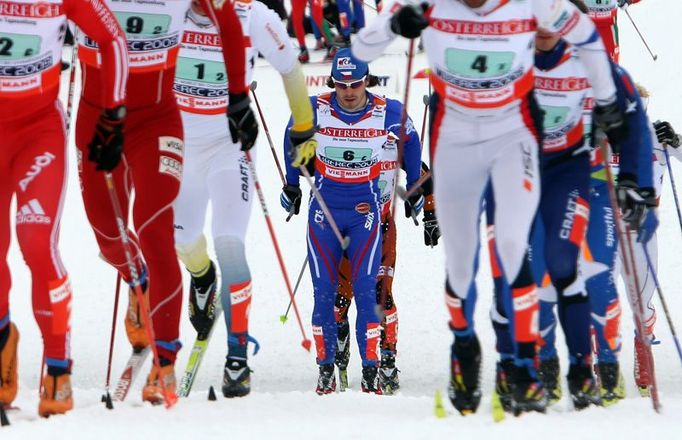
x=18 y=46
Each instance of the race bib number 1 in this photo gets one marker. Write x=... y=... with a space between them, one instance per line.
x=191 y=69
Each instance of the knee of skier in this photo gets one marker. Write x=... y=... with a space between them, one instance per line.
x=231 y=255
x=193 y=254
x=571 y=289
x=37 y=249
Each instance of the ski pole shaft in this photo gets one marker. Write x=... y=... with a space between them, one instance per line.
x=72 y=83
x=169 y=396
x=306 y=342
x=253 y=86
x=663 y=301
x=655 y=57
x=113 y=332
x=285 y=317
x=672 y=182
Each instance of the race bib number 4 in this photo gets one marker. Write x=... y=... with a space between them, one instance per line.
x=478 y=64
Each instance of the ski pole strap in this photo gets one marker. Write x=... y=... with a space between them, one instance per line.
x=234 y=340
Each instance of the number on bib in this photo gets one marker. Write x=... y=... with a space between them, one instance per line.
x=348 y=154
x=554 y=116
x=135 y=23
x=192 y=69
x=18 y=46
x=478 y=64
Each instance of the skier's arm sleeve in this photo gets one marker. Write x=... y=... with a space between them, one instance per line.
x=234 y=45
x=98 y=22
x=293 y=174
x=270 y=38
x=412 y=154
x=563 y=17
x=372 y=40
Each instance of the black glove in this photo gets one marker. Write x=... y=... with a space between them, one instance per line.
x=291 y=198
x=106 y=146
x=611 y=121
x=622 y=3
x=409 y=21
x=303 y=149
x=243 y=126
x=666 y=134
x=634 y=201
x=431 y=229
x=414 y=203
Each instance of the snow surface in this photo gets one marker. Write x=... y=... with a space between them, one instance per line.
x=283 y=402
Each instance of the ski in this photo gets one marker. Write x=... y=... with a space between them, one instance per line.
x=497 y=408
x=130 y=373
x=343 y=380
x=197 y=355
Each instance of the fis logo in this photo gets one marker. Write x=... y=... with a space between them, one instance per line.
x=39 y=162
x=32 y=213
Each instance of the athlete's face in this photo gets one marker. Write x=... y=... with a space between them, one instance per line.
x=545 y=40
x=197 y=8
x=351 y=94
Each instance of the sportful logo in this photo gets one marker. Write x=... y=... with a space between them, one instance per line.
x=32 y=212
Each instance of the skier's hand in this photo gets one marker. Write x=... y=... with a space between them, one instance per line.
x=303 y=148
x=431 y=229
x=414 y=204
x=243 y=126
x=290 y=199
x=409 y=21
x=106 y=146
x=634 y=201
x=623 y=3
x=666 y=134
x=611 y=121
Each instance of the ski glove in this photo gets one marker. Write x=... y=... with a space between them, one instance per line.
x=106 y=146
x=622 y=3
x=243 y=126
x=634 y=202
x=666 y=134
x=409 y=21
x=611 y=121
x=303 y=148
x=414 y=204
x=290 y=199
x=431 y=229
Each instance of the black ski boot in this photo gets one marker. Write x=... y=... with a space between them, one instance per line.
x=388 y=373
x=464 y=389
x=528 y=391
x=503 y=377
x=612 y=386
x=370 y=380
x=326 y=382
x=549 y=375
x=202 y=302
x=236 y=378
x=582 y=386
x=342 y=356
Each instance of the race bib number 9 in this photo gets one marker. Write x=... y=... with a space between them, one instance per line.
x=135 y=23
x=554 y=116
x=18 y=46
x=191 y=69
x=478 y=64
x=348 y=154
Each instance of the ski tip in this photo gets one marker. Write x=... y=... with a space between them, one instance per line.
x=498 y=411
x=106 y=398
x=306 y=344
x=170 y=398
x=438 y=409
x=283 y=319
x=211 y=394
x=4 y=421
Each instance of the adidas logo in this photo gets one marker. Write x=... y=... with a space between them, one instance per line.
x=32 y=212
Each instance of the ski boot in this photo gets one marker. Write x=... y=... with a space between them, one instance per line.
x=326 y=382
x=370 y=380
x=549 y=374
x=388 y=373
x=503 y=375
x=202 y=302
x=135 y=330
x=582 y=386
x=612 y=385
x=9 y=339
x=56 y=397
x=303 y=56
x=342 y=356
x=236 y=378
x=641 y=368
x=464 y=389
x=528 y=391
x=331 y=53
x=159 y=382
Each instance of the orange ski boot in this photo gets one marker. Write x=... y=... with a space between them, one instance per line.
x=57 y=397
x=153 y=391
x=8 y=367
x=135 y=329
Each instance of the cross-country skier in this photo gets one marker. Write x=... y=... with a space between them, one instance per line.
x=355 y=127
x=485 y=127
x=215 y=170
x=33 y=139
x=151 y=161
x=604 y=13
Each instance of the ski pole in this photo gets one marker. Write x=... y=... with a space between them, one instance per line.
x=632 y=284
x=169 y=396
x=663 y=302
x=672 y=182
x=625 y=9
x=107 y=396
x=72 y=83
x=306 y=342
x=285 y=317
